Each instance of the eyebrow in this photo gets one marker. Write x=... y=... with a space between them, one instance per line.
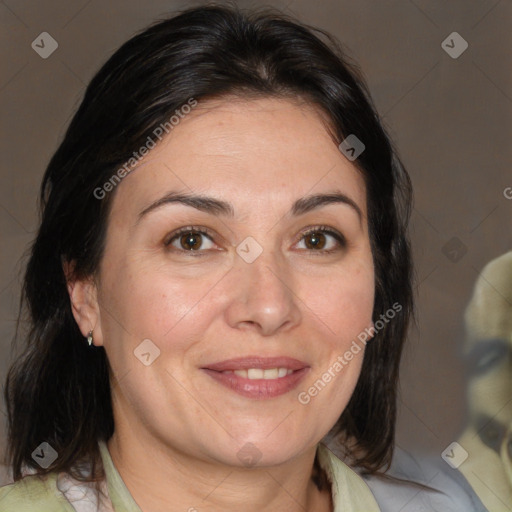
x=215 y=206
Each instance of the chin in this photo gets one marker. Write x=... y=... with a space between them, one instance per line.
x=261 y=452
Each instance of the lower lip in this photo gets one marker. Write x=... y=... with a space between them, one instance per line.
x=258 y=388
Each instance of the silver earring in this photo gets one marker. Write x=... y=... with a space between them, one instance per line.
x=89 y=338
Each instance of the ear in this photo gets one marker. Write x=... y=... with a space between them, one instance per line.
x=83 y=295
x=371 y=329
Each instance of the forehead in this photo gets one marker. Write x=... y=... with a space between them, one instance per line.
x=268 y=147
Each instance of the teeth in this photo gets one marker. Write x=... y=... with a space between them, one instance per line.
x=282 y=372
x=258 y=373
x=255 y=373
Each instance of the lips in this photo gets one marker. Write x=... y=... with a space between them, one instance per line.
x=258 y=377
x=258 y=373
x=263 y=363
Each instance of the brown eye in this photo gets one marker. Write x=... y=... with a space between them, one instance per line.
x=315 y=240
x=190 y=241
x=322 y=240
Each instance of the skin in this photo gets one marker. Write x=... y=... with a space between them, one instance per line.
x=178 y=431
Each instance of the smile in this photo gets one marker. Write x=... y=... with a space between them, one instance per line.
x=259 y=377
x=260 y=373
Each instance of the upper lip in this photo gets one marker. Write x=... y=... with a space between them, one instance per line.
x=265 y=363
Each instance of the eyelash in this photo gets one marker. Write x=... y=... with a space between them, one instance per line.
x=206 y=232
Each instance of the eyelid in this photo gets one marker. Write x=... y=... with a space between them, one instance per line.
x=187 y=229
x=339 y=237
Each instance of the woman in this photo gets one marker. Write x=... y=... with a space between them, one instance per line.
x=221 y=278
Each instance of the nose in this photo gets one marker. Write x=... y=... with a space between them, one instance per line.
x=262 y=296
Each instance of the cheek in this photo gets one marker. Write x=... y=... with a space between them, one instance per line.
x=343 y=301
x=148 y=302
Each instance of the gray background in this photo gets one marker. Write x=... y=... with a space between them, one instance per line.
x=450 y=118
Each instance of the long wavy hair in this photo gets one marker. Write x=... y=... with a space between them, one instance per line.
x=58 y=388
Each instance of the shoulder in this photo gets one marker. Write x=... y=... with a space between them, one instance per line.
x=421 y=483
x=34 y=493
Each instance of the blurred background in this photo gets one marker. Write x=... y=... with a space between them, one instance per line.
x=440 y=76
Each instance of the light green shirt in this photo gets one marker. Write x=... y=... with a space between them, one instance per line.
x=60 y=493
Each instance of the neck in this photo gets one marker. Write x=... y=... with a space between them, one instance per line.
x=163 y=479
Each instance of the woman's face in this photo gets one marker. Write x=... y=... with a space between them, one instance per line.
x=267 y=273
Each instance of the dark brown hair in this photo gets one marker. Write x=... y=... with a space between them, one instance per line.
x=58 y=389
